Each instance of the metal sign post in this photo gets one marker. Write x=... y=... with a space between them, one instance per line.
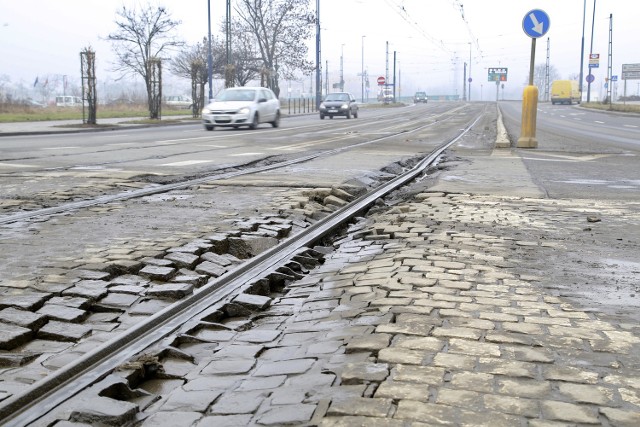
x=535 y=24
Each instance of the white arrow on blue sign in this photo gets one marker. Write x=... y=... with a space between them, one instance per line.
x=536 y=23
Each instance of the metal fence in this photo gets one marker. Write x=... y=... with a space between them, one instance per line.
x=301 y=105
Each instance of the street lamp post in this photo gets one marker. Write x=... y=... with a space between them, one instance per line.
x=362 y=70
x=342 y=68
x=209 y=56
x=469 y=97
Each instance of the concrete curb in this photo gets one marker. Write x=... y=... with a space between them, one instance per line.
x=502 y=139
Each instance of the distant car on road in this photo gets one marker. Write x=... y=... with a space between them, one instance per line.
x=339 y=104
x=68 y=101
x=420 y=97
x=242 y=106
x=565 y=91
x=179 y=102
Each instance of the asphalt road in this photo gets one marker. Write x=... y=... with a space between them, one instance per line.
x=582 y=153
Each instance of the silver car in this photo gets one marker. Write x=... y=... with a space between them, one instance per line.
x=242 y=106
x=339 y=104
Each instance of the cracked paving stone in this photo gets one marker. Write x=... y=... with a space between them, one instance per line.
x=182 y=400
x=26 y=301
x=287 y=367
x=103 y=410
x=158 y=273
x=173 y=419
x=359 y=373
x=228 y=367
x=63 y=331
x=210 y=269
x=183 y=259
x=258 y=302
x=23 y=318
x=65 y=314
x=258 y=336
x=170 y=290
x=238 y=403
x=12 y=336
x=368 y=407
x=287 y=414
x=149 y=307
x=373 y=342
x=118 y=300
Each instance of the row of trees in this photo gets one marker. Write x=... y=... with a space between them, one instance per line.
x=268 y=42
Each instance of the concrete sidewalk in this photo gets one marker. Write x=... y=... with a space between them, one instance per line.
x=74 y=126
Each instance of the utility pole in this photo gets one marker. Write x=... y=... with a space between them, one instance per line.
x=469 y=98
x=362 y=71
x=593 y=19
x=394 y=76
x=464 y=83
x=209 y=56
x=342 y=68
x=318 y=63
x=546 y=72
x=584 y=13
x=610 y=60
x=386 y=72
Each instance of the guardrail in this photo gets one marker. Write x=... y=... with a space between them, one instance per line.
x=301 y=105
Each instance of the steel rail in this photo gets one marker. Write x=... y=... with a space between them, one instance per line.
x=45 y=395
x=21 y=216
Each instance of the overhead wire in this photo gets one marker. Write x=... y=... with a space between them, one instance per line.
x=402 y=12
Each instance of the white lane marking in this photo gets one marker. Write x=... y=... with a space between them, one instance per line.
x=599 y=122
x=630 y=126
x=212 y=145
x=17 y=165
x=186 y=163
x=246 y=154
x=59 y=148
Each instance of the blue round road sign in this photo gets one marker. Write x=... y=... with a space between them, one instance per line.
x=536 y=23
x=590 y=78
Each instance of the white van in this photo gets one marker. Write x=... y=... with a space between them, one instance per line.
x=68 y=101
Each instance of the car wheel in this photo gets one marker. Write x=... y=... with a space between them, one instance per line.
x=348 y=114
x=355 y=114
x=254 y=122
x=321 y=116
x=331 y=117
x=276 y=122
x=208 y=127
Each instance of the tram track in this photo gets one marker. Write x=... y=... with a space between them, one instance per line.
x=392 y=131
x=43 y=396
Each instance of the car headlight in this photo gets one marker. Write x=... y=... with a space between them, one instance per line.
x=206 y=111
x=344 y=106
x=322 y=106
x=244 y=110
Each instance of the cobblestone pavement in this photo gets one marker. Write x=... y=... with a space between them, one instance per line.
x=421 y=316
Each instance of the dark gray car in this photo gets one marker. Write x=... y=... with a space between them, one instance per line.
x=339 y=104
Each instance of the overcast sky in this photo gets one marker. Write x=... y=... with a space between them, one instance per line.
x=432 y=39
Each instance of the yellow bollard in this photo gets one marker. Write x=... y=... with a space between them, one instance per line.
x=529 y=111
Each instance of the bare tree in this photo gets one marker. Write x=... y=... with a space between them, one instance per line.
x=281 y=29
x=539 y=77
x=143 y=35
x=245 y=59
x=191 y=63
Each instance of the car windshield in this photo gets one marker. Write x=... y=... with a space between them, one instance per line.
x=420 y=94
x=337 y=97
x=237 y=95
